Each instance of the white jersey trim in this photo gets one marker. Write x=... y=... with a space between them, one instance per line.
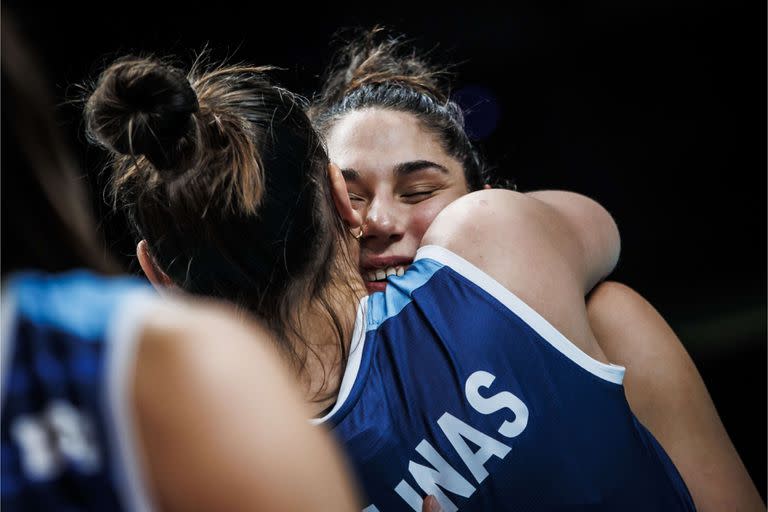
x=122 y=337
x=609 y=372
x=7 y=326
x=356 y=347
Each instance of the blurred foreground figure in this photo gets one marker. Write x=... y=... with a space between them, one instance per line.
x=113 y=398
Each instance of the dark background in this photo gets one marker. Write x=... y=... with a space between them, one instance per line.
x=656 y=111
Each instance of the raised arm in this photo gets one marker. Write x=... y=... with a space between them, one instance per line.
x=669 y=397
x=593 y=228
x=548 y=248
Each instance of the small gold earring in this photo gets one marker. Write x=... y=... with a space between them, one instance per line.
x=360 y=234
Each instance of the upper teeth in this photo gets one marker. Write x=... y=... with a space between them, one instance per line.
x=382 y=273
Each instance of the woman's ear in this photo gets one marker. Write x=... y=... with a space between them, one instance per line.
x=352 y=217
x=157 y=277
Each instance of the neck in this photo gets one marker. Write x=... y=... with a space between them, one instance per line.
x=324 y=328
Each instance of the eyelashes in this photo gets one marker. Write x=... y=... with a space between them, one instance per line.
x=417 y=194
x=408 y=197
x=415 y=197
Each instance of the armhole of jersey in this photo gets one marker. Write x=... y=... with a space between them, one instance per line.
x=7 y=325
x=356 y=346
x=123 y=335
x=608 y=372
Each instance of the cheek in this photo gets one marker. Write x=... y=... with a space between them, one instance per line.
x=423 y=215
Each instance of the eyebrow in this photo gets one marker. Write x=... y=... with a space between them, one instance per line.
x=400 y=169
x=417 y=165
x=350 y=174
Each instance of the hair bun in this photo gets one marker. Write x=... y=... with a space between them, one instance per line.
x=143 y=107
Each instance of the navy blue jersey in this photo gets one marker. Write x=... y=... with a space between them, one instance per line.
x=68 y=345
x=457 y=388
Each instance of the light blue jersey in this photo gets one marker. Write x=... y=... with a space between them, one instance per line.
x=457 y=388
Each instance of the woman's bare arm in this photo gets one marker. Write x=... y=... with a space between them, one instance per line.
x=549 y=248
x=667 y=394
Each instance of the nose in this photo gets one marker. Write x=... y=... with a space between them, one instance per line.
x=383 y=222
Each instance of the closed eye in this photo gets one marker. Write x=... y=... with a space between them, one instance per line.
x=356 y=200
x=415 y=197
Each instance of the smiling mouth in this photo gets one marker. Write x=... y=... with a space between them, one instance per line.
x=381 y=274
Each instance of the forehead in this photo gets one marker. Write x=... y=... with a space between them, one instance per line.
x=375 y=140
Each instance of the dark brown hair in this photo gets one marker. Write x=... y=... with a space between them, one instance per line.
x=376 y=69
x=222 y=173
